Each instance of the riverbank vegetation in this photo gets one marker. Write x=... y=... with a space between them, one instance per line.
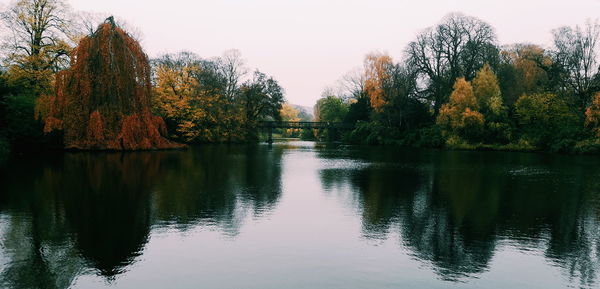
x=457 y=87
x=66 y=84
x=206 y=100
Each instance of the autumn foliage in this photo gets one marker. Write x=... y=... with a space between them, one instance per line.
x=545 y=116
x=103 y=100
x=592 y=115
x=461 y=116
x=375 y=75
x=487 y=91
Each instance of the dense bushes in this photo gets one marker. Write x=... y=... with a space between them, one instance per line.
x=4 y=148
x=547 y=122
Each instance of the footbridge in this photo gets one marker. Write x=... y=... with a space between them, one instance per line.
x=332 y=126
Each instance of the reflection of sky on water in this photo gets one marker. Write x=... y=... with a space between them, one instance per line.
x=299 y=215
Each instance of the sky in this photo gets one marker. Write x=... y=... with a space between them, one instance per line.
x=309 y=45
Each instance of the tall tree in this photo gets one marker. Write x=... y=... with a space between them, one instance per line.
x=261 y=97
x=191 y=94
x=525 y=68
x=457 y=47
x=175 y=94
x=403 y=109
x=38 y=43
x=577 y=51
x=330 y=108
x=487 y=93
x=377 y=66
x=233 y=67
x=489 y=97
x=103 y=100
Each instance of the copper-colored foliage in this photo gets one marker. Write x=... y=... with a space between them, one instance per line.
x=103 y=100
x=592 y=115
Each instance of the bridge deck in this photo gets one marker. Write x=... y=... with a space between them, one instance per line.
x=306 y=125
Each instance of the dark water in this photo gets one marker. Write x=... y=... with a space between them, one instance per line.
x=299 y=216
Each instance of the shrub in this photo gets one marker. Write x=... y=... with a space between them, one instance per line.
x=428 y=137
x=498 y=132
x=547 y=121
x=587 y=147
x=24 y=132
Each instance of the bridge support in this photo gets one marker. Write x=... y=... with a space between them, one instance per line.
x=270 y=137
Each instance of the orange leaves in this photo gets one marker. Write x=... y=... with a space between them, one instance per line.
x=460 y=115
x=52 y=124
x=592 y=115
x=376 y=73
x=471 y=125
x=462 y=96
x=95 y=129
x=109 y=77
x=528 y=61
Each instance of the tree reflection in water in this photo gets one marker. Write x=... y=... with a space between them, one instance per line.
x=69 y=214
x=452 y=209
x=93 y=213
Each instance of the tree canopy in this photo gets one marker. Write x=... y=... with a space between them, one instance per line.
x=103 y=100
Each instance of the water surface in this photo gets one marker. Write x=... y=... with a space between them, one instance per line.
x=300 y=215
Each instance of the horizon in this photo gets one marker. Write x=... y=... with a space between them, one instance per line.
x=307 y=57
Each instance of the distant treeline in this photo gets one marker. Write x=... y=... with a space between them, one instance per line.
x=454 y=87
x=457 y=87
x=201 y=100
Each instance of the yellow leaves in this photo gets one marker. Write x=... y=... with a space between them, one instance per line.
x=288 y=112
x=187 y=129
x=196 y=111
x=462 y=96
x=487 y=91
x=171 y=81
x=175 y=91
x=460 y=115
x=546 y=110
x=37 y=44
x=376 y=73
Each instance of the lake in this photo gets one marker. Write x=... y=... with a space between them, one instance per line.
x=300 y=215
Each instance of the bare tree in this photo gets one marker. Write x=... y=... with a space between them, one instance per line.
x=233 y=67
x=457 y=47
x=353 y=83
x=577 y=51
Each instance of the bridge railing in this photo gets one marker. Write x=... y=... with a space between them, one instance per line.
x=305 y=124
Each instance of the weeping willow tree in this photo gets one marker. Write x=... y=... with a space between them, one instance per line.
x=103 y=100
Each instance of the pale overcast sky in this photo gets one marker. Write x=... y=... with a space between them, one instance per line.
x=308 y=45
